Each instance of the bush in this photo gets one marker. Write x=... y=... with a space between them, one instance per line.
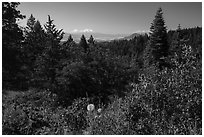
x=167 y=101
x=39 y=113
x=173 y=96
x=111 y=121
x=31 y=112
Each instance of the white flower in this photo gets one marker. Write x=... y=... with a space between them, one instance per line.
x=90 y=107
x=99 y=110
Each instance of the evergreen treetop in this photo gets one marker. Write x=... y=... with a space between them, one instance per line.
x=31 y=22
x=91 y=40
x=52 y=31
x=83 y=43
x=70 y=39
x=158 y=38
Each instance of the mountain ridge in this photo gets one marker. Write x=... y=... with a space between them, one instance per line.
x=97 y=36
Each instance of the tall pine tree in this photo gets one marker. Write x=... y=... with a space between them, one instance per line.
x=49 y=61
x=84 y=44
x=91 y=40
x=30 y=22
x=158 y=39
x=34 y=45
x=70 y=39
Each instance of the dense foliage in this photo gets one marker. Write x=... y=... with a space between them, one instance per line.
x=134 y=85
x=12 y=36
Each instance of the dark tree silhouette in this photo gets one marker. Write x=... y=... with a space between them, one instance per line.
x=33 y=47
x=30 y=22
x=91 y=40
x=70 y=39
x=49 y=61
x=158 y=38
x=84 y=44
x=12 y=37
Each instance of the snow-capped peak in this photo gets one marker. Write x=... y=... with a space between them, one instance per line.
x=84 y=30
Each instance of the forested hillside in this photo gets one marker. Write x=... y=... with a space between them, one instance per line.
x=150 y=84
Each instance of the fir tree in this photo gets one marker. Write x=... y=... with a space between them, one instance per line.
x=69 y=40
x=31 y=22
x=84 y=44
x=52 y=31
x=33 y=47
x=91 y=40
x=37 y=27
x=66 y=48
x=49 y=61
x=158 y=39
x=35 y=36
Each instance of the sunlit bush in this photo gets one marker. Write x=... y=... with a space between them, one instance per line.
x=172 y=97
x=167 y=101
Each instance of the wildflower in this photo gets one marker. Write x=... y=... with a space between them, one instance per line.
x=99 y=110
x=86 y=132
x=90 y=107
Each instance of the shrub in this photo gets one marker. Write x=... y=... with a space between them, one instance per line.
x=167 y=101
x=173 y=96
x=112 y=120
x=32 y=112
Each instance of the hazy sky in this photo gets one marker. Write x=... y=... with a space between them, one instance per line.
x=113 y=17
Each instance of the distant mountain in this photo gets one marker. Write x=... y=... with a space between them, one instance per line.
x=100 y=36
x=133 y=35
x=97 y=36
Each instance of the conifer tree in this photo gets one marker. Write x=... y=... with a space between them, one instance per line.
x=33 y=47
x=30 y=22
x=158 y=38
x=52 y=31
x=91 y=40
x=49 y=61
x=37 y=27
x=69 y=40
x=84 y=44
x=34 y=36
x=66 y=49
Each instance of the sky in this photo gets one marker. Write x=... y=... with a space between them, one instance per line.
x=114 y=17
